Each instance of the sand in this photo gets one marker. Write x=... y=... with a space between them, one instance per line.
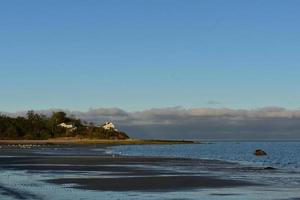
x=122 y=173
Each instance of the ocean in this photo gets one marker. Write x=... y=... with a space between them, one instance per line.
x=281 y=155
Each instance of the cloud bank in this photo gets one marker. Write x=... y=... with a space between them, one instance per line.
x=197 y=123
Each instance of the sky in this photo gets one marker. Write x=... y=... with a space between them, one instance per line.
x=134 y=55
x=138 y=54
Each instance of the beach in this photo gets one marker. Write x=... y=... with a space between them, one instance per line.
x=87 y=171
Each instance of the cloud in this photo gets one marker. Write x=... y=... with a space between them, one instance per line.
x=198 y=123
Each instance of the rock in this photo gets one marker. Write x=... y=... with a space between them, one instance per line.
x=259 y=152
x=269 y=168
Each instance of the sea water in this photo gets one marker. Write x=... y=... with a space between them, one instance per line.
x=282 y=155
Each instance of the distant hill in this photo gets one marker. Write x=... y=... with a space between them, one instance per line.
x=37 y=126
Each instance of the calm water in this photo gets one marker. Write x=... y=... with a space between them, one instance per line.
x=285 y=155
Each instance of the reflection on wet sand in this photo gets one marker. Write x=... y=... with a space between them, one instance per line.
x=33 y=174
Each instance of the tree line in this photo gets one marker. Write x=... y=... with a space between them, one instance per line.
x=38 y=126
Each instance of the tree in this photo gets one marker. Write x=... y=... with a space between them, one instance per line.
x=59 y=117
x=36 y=126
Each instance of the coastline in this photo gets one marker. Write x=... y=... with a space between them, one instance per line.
x=76 y=141
x=105 y=172
x=89 y=172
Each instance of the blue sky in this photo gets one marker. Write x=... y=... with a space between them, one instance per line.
x=142 y=54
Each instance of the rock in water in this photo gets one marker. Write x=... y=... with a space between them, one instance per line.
x=269 y=168
x=259 y=152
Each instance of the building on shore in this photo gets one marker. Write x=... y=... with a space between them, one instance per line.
x=109 y=126
x=69 y=127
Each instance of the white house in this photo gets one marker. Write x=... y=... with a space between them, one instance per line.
x=109 y=126
x=69 y=127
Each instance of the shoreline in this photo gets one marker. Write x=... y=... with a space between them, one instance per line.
x=118 y=173
x=76 y=141
x=78 y=171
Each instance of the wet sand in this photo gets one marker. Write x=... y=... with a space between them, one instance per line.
x=153 y=183
x=151 y=174
x=15 y=194
x=72 y=172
